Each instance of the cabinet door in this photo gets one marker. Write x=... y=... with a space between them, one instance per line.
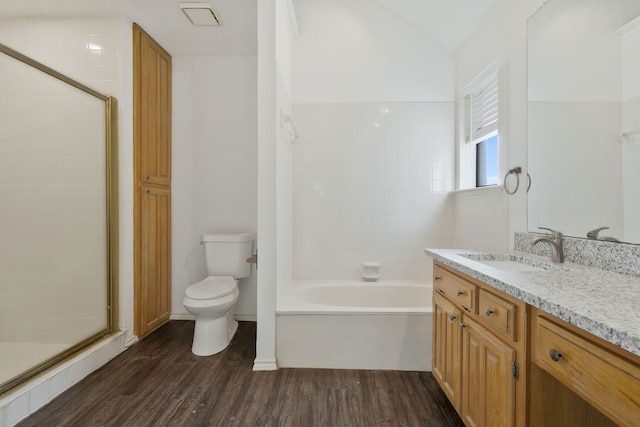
x=152 y=110
x=447 y=344
x=155 y=278
x=488 y=382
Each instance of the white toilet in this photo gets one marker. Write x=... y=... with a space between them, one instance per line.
x=212 y=300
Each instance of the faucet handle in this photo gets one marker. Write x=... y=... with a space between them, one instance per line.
x=593 y=234
x=555 y=234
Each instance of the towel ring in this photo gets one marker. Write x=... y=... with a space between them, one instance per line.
x=516 y=171
x=529 y=182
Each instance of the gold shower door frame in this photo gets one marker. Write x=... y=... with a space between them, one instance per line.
x=111 y=237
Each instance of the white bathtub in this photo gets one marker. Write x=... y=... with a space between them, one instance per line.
x=355 y=325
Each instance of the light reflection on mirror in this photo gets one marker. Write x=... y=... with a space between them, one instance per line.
x=584 y=94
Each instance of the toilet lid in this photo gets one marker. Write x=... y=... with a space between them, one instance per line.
x=212 y=287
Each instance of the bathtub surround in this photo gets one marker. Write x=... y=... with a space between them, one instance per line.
x=371 y=181
x=355 y=325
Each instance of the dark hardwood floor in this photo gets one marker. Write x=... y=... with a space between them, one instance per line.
x=159 y=382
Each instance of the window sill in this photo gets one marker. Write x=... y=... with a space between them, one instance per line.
x=493 y=189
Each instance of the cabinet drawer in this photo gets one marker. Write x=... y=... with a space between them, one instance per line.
x=498 y=314
x=608 y=381
x=458 y=290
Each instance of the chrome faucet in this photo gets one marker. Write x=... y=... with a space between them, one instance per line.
x=593 y=234
x=555 y=240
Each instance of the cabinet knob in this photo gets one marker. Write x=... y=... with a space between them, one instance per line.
x=147 y=191
x=452 y=318
x=489 y=312
x=462 y=326
x=147 y=178
x=437 y=278
x=460 y=293
x=555 y=356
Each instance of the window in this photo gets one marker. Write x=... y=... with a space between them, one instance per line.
x=487 y=162
x=482 y=150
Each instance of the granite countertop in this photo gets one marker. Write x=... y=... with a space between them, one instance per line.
x=604 y=303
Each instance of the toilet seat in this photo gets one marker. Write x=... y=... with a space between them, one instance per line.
x=212 y=287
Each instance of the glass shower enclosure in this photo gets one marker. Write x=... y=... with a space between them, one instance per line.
x=57 y=222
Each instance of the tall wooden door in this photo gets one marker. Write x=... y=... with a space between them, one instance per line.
x=155 y=266
x=152 y=183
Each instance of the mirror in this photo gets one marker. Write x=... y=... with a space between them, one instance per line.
x=584 y=118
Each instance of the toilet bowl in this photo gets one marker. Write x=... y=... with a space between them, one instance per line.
x=211 y=301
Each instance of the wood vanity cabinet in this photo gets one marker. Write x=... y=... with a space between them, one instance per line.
x=488 y=380
x=447 y=355
x=598 y=383
x=479 y=354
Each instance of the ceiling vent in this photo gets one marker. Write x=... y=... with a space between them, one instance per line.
x=201 y=14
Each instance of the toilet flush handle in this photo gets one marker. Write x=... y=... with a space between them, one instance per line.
x=253 y=259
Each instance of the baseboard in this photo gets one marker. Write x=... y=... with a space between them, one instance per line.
x=265 y=365
x=238 y=317
x=131 y=341
x=182 y=316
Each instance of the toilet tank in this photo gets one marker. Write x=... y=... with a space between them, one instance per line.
x=226 y=254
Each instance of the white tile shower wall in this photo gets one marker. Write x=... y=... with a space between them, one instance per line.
x=371 y=182
x=482 y=219
x=64 y=45
x=48 y=211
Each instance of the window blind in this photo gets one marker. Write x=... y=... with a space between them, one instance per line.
x=484 y=108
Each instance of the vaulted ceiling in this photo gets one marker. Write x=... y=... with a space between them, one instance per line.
x=446 y=21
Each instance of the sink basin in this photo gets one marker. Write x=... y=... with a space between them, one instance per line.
x=509 y=265
x=512 y=262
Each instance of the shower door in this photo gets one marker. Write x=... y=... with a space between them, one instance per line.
x=56 y=230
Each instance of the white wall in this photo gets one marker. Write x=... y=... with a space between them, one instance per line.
x=502 y=34
x=267 y=187
x=62 y=44
x=214 y=176
x=357 y=51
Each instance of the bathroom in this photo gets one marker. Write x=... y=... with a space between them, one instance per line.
x=215 y=97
